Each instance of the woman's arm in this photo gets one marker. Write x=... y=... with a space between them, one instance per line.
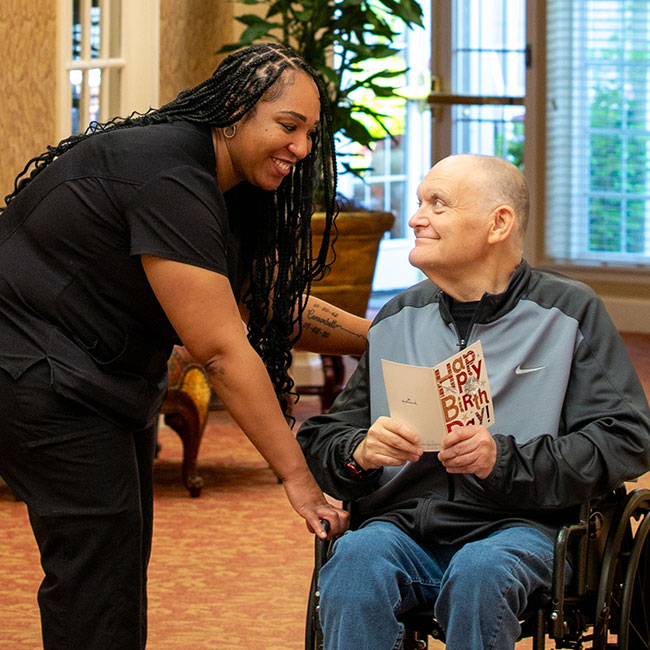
x=202 y=309
x=329 y=330
x=326 y=329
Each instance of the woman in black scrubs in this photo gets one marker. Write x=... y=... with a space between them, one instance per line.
x=165 y=228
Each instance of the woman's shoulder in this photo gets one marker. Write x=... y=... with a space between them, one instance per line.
x=141 y=152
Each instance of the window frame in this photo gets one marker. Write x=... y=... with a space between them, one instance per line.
x=139 y=60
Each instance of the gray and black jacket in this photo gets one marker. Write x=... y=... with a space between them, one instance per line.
x=571 y=418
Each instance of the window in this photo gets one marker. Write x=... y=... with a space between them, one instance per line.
x=392 y=162
x=108 y=64
x=488 y=57
x=598 y=133
x=478 y=61
x=479 y=78
x=95 y=77
x=396 y=166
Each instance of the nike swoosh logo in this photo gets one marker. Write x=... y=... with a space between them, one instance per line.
x=524 y=371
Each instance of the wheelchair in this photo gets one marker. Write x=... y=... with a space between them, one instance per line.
x=605 y=606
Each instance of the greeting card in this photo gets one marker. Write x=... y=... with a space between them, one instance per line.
x=434 y=400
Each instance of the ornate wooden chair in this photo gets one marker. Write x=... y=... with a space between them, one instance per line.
x=186 y=411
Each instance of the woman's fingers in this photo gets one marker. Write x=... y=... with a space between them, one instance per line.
x=337 y=519
x=308 y=501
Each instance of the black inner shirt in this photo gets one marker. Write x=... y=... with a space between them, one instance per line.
x=462 y=313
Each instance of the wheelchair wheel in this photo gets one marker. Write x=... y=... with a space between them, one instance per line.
x=634 y=624
x=622 y=603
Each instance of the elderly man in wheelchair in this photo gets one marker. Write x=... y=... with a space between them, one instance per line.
x=469 y=531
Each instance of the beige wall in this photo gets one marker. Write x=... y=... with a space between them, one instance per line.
x=27 y=83
x=191 y=31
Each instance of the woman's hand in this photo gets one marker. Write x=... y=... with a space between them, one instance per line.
x=388 y=442
x=308 y=501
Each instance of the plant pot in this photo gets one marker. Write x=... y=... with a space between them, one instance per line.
x=349 y=283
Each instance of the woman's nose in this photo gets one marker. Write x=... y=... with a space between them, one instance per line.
x=300 y=146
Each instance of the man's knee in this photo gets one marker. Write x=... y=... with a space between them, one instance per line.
x=363 y=567
x=504 y=568
x=357 y=557
x=478 y=571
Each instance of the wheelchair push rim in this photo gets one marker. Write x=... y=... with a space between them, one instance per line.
x=634 y=626
x=622 y=602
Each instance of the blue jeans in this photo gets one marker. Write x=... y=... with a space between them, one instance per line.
x=479 y=590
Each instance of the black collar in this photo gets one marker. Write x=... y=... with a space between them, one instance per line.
x=492 y=306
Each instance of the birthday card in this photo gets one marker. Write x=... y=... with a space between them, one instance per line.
x=432 y=401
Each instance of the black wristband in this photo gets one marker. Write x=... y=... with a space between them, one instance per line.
x=354 y=469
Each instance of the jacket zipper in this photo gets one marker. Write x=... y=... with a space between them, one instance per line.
x=462 y=344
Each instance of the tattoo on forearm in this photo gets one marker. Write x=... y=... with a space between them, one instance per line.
x=323 y=325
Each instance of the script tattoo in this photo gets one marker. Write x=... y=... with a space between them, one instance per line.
x=322 y=321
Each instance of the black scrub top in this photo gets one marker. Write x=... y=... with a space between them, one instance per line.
x=72 y=287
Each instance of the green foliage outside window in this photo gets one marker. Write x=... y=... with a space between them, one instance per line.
x=618 y=171
x=511 y=144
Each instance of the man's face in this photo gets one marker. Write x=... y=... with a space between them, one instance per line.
x=452 y=223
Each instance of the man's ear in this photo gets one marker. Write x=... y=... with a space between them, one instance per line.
x=503 y=223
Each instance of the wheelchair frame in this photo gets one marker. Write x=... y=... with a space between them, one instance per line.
x=608 y=597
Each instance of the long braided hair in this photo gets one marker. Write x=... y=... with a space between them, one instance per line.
x=283 y=266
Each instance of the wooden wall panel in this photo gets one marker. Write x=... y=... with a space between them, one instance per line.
x=27 y=83
x=191 y=31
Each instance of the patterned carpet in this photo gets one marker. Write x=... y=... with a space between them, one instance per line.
x=230 y=570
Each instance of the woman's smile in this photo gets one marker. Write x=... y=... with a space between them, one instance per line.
x=283 y=166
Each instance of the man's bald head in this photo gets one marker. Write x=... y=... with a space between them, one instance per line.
x=502 y=183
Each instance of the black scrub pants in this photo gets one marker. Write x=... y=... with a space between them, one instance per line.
x=87 y=484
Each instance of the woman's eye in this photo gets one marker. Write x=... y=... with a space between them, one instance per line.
x=289 y=128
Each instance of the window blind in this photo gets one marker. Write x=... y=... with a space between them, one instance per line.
x=598 y=132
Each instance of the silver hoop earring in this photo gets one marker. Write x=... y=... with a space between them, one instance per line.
x=229 y=134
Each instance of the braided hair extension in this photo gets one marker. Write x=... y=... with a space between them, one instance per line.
x=283 y=264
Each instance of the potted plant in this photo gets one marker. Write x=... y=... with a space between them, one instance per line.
x=348 y=42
